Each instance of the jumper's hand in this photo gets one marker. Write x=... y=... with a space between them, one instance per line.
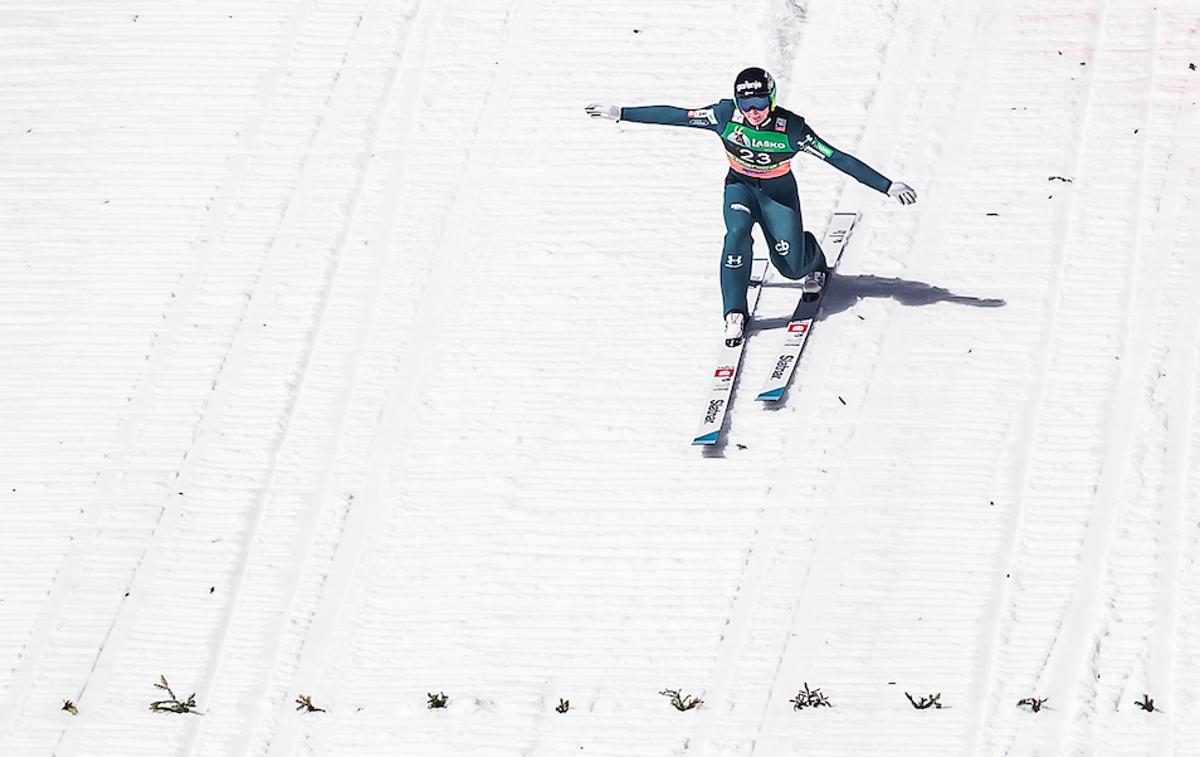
x=902 y=192
x=611 y=112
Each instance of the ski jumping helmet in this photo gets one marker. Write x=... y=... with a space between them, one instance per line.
x=754 y=89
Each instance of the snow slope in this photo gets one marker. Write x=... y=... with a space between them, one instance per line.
x=343 y=356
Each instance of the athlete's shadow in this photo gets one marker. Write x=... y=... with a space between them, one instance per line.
x=844 y=292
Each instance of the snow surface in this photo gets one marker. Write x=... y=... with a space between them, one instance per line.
x=342 y=355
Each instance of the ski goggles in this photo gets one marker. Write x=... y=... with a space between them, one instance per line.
x=759 y=102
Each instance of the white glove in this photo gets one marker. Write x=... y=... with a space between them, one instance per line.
x=611 y=112
x=902 y=192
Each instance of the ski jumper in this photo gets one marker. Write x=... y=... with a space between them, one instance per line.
x=760 y=188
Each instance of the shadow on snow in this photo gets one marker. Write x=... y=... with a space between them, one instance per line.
x=844 y=292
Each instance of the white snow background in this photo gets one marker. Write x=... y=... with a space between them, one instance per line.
x=342 y=355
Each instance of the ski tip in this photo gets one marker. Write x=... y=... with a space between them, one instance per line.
x=771 y=396
x=707 y=439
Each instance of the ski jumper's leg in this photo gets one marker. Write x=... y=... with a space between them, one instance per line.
x=794 y=251
x=736 y=256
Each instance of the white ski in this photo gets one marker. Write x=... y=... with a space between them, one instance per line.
x=728 y=363
x=802 y=318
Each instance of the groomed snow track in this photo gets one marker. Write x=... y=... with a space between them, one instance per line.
x=342 y=356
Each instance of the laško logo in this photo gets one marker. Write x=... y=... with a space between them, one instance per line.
x=739 y=137
x=768 y=144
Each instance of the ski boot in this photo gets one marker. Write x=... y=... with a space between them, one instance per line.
x=811 y=286
x=735 y=328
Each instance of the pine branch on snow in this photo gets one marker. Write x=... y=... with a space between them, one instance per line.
x=1033 y=703
x=924 y=703
x=681 y=702
x=173 y=704
x=807 y=697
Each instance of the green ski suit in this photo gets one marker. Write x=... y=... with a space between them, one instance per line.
x=760 y=188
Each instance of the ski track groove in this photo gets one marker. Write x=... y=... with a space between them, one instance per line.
x=1060 y=672
x=328 y=453
x=235 y=366
x=990 y=652
x=1138 y=622
x=1182 y=365
x=1065 y=226
x=1026 y=436
x=360 y=353
x=395 y=419
x=148 y=382
x=1124 y=634
x=1079 y=639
